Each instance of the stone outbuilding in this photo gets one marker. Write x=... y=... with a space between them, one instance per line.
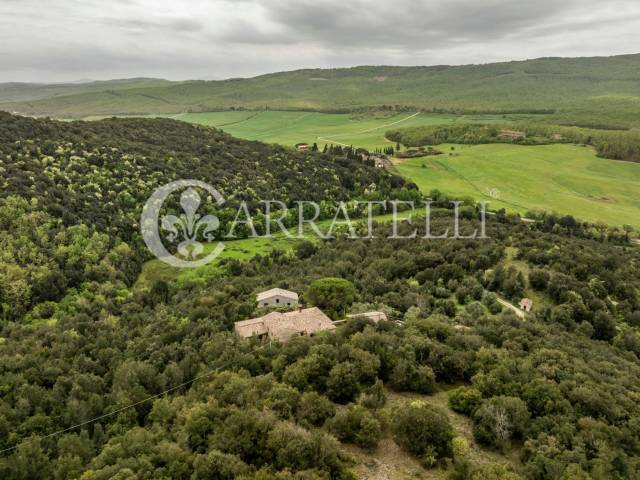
x=277 y=297
x=526 y=304
x=375 y=317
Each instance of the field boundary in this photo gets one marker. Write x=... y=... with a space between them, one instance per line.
x=360 y=132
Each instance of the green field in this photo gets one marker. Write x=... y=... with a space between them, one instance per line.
x=561 y=178
x=289 y=128
x=596 y=91
x=567 y=179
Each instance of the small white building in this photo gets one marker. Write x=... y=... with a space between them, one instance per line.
x=277 y=297
x=526 y=304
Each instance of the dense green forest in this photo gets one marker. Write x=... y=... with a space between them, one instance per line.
x=595 y=92
x=614 y=144
x=72 y=193
x=78 y=342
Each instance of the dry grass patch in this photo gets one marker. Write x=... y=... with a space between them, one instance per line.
x=390 y=462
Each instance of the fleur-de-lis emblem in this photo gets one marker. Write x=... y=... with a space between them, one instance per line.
x=189 y=224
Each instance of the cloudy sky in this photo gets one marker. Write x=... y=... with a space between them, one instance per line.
x=68 y=40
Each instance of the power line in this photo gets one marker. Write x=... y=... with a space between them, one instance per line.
x=152 y=397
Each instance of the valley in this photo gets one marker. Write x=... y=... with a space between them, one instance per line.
x=561 y=178
x=589 y=91
x=565 y=179
x=361 y=131
x=515 y=356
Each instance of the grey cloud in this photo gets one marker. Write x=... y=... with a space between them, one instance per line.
x=409 y=24
x=168 y=25
x=68 y=39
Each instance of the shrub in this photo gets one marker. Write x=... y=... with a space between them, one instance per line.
x=563 y=315
x=423 y=430
x=283 y=400
x=216 y=464
x=408 y=376
x=604 y=326
x=305 y=249
x=356 y=425
x=465 y=400
x=629 y=340
x=539 y=279
x=244 y=433
x=333 y=295
x=542 y=396
x=342 y=384
x=374 y=396
x=634 y=318
x=500 y=419
x=292 y=447
x=369 y=432
x=314 y=409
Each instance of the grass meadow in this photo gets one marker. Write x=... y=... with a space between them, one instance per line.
x=567 y=179
x=289 y=128
x=560 y=178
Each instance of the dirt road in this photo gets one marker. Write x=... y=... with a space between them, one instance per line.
x=519 y=313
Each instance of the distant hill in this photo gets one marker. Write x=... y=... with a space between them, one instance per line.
x=25 y=92
x=596 y=91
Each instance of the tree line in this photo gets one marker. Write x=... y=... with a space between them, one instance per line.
x=613 y=144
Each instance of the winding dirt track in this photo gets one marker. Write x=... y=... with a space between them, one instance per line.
x=519 y=313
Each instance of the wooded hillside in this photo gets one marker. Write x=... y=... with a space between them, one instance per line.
x=597 y=91
x=100 y=379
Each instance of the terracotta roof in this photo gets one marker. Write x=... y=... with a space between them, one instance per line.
x=511 y=133
x=276 y=291
x=251 y=327
x=373 y=316
x=282 y=326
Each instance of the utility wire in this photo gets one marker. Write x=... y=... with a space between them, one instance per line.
x=122 y=409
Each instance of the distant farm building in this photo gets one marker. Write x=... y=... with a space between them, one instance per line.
x=375 y=317
x=379 y=160
x=302 y=147
x=283 y=326
x=511 y=134
x=526 y=304
x=277 y=297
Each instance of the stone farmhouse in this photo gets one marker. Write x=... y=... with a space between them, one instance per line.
x=283 y=326
x=277 y=297
x=379 y=160
x=511 y=134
